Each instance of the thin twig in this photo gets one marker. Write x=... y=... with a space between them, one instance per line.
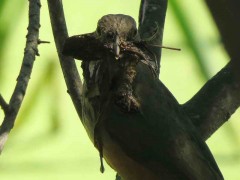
x=43 y=42
x=166 y=47
x=3 y=104
x=25 y=72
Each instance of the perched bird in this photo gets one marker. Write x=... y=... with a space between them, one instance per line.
x=131 y=117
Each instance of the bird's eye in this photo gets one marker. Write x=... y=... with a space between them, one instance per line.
x=110 y=36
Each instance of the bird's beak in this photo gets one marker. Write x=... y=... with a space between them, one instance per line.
x=116 y=47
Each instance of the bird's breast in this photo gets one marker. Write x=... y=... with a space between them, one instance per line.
x=126 y=167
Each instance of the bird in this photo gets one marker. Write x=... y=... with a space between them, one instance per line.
x=131 y=117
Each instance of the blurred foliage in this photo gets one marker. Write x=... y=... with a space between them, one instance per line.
x=191 y=38
x=7 y=20
x=48 y=140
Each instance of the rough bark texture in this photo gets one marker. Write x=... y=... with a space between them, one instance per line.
x=11 y=110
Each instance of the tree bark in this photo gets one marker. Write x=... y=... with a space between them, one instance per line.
x=70 y=72
x=11 y=109
x=214 y=104
x=151 y=25
x=219 y=98
x=226 y=15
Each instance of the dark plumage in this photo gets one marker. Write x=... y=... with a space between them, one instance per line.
x=130 y=116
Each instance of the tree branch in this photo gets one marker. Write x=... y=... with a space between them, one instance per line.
x=22 y=81
x=3 y=104
x=213 y=105
x=226 y=14
x=68 y=65
x=151 y=24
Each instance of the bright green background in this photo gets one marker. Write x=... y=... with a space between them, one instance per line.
x=48 y=141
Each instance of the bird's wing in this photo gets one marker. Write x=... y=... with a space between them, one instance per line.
x=160 y=136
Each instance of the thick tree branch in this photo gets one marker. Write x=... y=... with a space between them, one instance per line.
x=22 y=81
x=151 y=24
x=213 y=105
x=220 y=97
x=68 y=65
x=3 y=104
x=226 y=14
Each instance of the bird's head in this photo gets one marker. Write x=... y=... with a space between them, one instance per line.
x=114 y=29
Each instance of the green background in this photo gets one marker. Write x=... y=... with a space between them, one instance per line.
x=48 y=141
